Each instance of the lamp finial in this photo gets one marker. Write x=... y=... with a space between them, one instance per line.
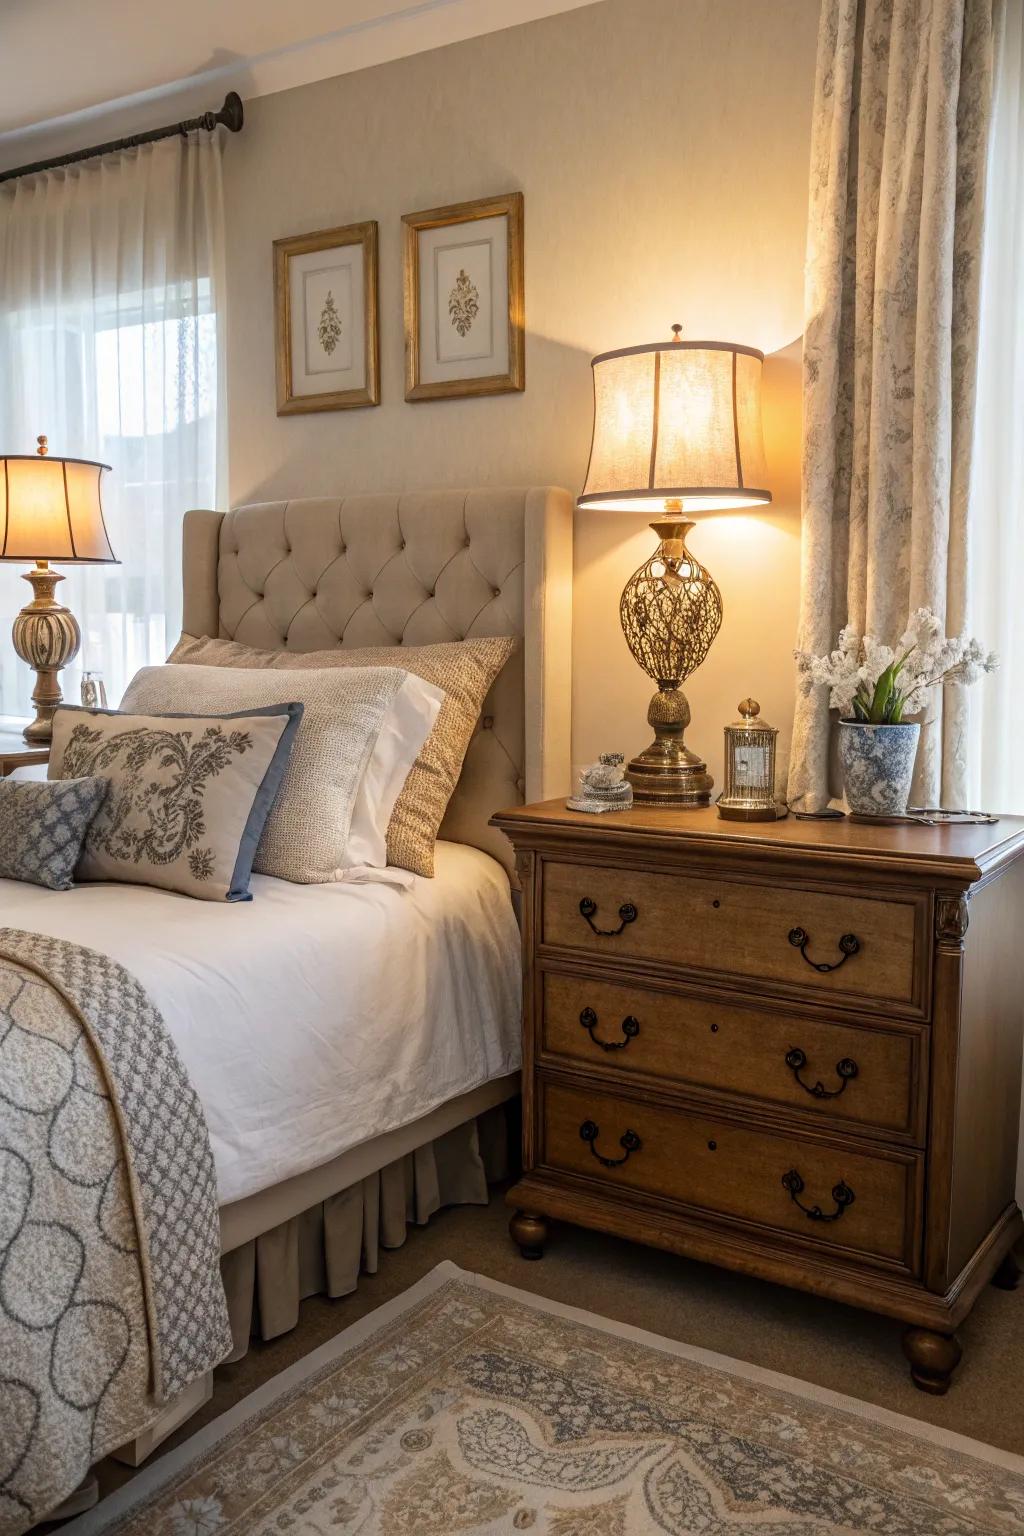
x=677 y=333
x=43 y=448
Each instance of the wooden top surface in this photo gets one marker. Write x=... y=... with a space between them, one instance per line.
x=964 y=851
x=13 y=743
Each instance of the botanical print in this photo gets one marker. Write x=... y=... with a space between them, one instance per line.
x=476 y=1412
x=463 y=303
x=154 y=810
x=329 y=328
x=899 y=143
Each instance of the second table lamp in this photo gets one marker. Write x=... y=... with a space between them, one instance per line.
x=677 y=429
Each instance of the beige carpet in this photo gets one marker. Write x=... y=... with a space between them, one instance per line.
x=469 y=1406
x=815 y=1340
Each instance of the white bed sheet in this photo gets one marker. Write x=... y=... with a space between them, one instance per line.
x=315 y=1016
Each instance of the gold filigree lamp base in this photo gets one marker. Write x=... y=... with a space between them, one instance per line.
x=671 y=611
x=47 y=636
x=668 y=773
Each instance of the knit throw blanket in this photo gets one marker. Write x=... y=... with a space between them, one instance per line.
x=110 y=1294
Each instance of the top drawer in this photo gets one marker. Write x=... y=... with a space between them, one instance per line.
x=841 y=943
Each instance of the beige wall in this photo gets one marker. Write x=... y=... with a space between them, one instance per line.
x=662 y=148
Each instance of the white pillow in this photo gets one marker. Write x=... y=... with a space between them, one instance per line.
x=407 y=724
x=306 y=836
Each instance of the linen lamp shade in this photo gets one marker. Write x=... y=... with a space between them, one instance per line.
x=677 y=422
x=52 y=510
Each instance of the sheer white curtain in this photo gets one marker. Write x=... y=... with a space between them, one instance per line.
x=996 y=540
x=111 y=326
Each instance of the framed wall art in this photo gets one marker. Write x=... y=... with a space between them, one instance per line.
x=325 y=304
x=464 y=310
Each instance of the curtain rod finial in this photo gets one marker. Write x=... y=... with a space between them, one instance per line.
x=231 y=113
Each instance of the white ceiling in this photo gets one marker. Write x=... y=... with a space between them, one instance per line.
x=79 y=71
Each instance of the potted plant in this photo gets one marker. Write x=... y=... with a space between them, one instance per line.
x=875 y=687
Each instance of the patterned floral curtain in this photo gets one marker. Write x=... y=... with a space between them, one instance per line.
x=900 y=136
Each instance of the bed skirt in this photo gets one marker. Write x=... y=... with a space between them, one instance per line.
x=324 y=1250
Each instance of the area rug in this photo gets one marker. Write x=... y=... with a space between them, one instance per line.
x=467 y=1406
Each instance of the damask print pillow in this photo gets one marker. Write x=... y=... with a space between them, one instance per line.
x=188 y=795
x=43 y=827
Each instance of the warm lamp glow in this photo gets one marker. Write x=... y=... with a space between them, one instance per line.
x=51 y=510
x=677 y=427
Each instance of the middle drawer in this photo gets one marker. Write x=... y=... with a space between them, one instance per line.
x=870 y=1075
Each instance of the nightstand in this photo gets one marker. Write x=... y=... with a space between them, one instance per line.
x=789 y=1048
x=15 y=751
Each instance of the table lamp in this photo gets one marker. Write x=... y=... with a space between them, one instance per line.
x=677 y=429
x=52 y=510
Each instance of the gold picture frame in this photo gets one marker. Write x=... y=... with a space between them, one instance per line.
x=455 y=294
x=305 y=352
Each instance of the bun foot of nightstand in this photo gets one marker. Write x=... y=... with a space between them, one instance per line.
x=933 y=1358
x=1007 y=1275
x=530 y=1232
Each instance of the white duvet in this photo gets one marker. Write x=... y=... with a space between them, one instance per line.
x=315 y=1016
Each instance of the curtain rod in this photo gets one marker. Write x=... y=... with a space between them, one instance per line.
x=230 y=115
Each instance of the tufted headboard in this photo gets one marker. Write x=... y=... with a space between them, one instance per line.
x=411 y=569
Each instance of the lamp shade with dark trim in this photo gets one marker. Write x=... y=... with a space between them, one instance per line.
x=677 y=422
x=52 y=509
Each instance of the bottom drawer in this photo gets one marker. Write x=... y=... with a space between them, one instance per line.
x=820 y=1191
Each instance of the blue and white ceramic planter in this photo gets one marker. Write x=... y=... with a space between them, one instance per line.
x=878 y=765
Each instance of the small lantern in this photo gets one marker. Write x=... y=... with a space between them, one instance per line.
x=749 y=793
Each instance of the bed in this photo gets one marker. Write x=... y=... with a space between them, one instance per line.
x=337 y=1109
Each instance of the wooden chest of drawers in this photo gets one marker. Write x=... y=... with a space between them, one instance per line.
x=792 y=1049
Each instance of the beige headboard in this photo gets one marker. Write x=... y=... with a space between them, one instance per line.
x=410 y=569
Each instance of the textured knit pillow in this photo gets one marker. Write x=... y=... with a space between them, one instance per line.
x=43 y=827
x=306 y=835
x=188 y=794
x=463 y=669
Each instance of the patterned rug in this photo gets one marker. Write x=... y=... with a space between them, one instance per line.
x=466 y=1406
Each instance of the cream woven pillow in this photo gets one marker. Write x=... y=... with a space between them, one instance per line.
x=463 y=669
x=306 y=833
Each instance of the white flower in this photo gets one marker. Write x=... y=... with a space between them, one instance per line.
x=876 y=658
x=924 y=657
x=197 y=1517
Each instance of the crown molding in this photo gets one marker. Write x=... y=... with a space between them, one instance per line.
x=377 y=39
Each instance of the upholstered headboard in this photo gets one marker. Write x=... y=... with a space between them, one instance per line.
x=410 y=569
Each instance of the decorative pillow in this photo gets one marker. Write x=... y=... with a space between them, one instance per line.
x=307 y=832
x=43 y=827
x=406 y=726
x=188 y=797
x=463 y=669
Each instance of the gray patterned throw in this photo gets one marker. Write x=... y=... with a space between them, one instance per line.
x=110 y=1294
x=43 y=826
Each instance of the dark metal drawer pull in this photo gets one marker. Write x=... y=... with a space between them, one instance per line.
x=848 y=944
x=627 y=914
x=847 y=1069
x=629 y=1141
x=842 y=1194
x=630 y=1029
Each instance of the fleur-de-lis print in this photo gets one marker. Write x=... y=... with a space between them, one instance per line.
x=463 y=302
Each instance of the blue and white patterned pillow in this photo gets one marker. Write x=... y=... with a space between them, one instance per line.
x=43 y=827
